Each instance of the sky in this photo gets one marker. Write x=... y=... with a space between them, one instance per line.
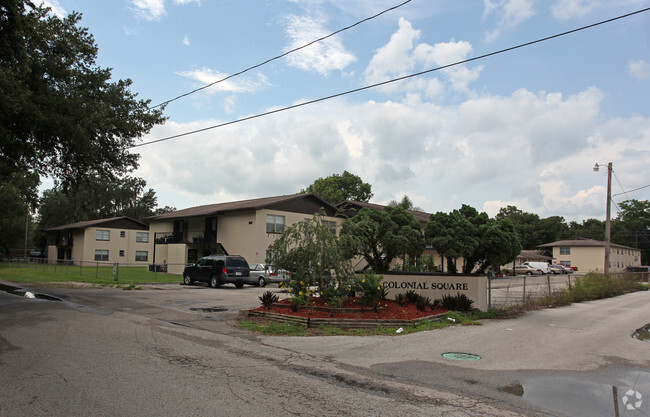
x=522 y=128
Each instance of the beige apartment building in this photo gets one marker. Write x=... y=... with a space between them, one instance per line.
x=243 y=228
x=589 y=255
x=120 y=239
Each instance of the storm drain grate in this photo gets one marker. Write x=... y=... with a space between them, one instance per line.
x=461 y=356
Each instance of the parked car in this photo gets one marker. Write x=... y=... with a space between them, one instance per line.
x=542 y=266
x=561 y=269
x=217 y=270
x=527 y=270
x=262 y=274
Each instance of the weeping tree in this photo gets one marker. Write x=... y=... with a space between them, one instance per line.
x=311 y=251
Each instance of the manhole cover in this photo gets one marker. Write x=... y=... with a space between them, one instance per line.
x=460 y=356
x=208 y=309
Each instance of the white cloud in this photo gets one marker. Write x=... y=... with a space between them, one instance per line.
x=154 y=10
x=570 y=9
x=401 y=56
x=511 y=14
x=206 y=76
x=393 y=59
x=639 y=69
x=324 y=56
x=186 y=41
x=531 y=150
x=150 y=9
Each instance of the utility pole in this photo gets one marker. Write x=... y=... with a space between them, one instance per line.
x=608 y=222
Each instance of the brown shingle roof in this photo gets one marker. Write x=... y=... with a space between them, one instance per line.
x=580 y=241
x=254 y=204
x=120 y=222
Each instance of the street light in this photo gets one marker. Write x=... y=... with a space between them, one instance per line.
x=608 y=215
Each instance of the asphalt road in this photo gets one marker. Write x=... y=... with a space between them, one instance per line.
x=171 y=350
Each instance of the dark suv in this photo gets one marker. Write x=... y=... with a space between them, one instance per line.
x=217 y=270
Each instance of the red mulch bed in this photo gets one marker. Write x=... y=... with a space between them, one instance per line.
x=353 y=309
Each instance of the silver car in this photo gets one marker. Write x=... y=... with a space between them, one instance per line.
x=521 y=270
x=262 y=274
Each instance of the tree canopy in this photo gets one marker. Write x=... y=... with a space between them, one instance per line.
x=97 y=198
x=379 y=236
x=632 y=227
x=338 y=188
x=406 y=203
x=60 y=113
x=479 y=240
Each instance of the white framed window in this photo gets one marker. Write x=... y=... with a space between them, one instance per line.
x=121 y=252
x=565 y=250
x=142 y=237
x=122 y=233
x=101 y=254
x=274 y=224
x=102 y=234
x=141 y=256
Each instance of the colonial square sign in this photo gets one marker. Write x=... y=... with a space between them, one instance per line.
x=435 y=286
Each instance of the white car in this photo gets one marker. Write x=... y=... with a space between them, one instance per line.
x=262 y=274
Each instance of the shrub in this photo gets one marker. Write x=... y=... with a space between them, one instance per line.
x=458 y=302
x=594 y=286
x=412 y=296
x=422 y=303
x=268 y=298
x=371 y=288
x=401 y=299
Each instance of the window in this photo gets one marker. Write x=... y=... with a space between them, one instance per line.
x=101 y=255
x=274 y=224
x=141 y=255
x=122 y=233
x=565 y=251
x=142 y=237
x=331 y=225
x=121 y=252
x=102 y=234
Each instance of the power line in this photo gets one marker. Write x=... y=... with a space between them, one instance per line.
x=619 y=184
x=164 y=103
x=630 y=191
x=417 y=74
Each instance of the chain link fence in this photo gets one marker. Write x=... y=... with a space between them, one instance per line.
x=520 y=290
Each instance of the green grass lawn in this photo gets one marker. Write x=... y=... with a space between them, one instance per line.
x=93 y=274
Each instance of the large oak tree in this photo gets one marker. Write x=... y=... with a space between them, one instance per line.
x=336 y=188
x=61 y=115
